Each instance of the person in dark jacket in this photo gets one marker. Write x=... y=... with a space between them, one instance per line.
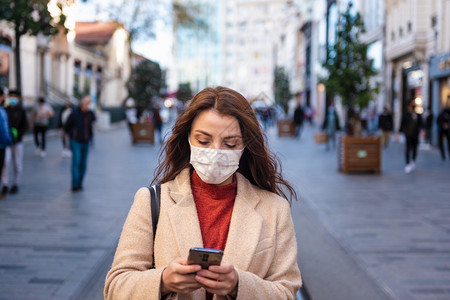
x=386 y=124
x=14 y=153
x=410 y=126
x=157 y=120
x=79 y=127
x=443 y=123
x=299 y=115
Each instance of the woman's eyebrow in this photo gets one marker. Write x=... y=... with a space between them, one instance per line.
x=202 y=132
x=232 y=137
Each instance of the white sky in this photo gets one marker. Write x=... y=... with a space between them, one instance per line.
x=158 y=50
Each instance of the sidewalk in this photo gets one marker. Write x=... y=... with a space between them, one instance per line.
x=393 y=227
x=55 y=244
x=362 y=236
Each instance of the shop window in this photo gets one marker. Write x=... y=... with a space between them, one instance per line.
x=76 y=79
x=87 y=79
x=5 y=50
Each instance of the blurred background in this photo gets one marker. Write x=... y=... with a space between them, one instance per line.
x=273 y=52
x=365 y=229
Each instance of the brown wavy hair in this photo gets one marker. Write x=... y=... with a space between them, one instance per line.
x=260 y=166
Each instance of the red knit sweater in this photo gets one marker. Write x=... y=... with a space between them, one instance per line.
x=214 y=208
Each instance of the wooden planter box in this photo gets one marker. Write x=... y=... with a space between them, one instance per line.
x=321 y=138
x=286 y=128
x=359 y=153
x=143 y=132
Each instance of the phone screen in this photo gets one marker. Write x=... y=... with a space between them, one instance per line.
x=204 y=257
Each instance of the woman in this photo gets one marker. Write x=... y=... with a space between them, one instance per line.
x=220 y=189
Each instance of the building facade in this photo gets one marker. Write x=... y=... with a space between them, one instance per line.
x=417 y=45
x=83 y=58
x=236 y=49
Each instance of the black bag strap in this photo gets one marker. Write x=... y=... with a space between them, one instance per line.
x=155 y=205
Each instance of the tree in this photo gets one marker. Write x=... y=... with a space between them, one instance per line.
x=140 y=16
x=184 y=92
x=29 y=17
x=146 y=83
x=349 y=68
x=281 y=88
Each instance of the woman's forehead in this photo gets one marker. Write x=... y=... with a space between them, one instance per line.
x=210 y=122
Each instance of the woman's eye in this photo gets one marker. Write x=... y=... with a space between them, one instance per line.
x=230 y=146
x=204 y=143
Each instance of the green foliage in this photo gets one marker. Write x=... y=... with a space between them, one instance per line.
x=141 y=16
x=184 y=92
x=189 y=15
x=146 y=83
x=349 y=69
x=29 y=16
x=281 y=88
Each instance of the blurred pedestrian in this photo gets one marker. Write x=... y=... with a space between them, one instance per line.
x=265 y=117
x=158 y=123
x=331 y=125
x=131 y=113
x=220 y=188
x=63 y=116
x=5 y=132
x=411 y=125
x=39 y=121
x=299 y=116
x=14 y=153
x=386 y=125
x=309 y=114
x=79 y=127
x=443 y=123
x=429 y=117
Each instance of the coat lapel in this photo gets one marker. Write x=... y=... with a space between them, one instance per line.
x=245 y=226
x=183 y=215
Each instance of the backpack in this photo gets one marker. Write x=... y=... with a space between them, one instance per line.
x=65 y=115
x=5 y=130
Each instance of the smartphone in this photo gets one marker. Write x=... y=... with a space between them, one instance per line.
x=204 y=257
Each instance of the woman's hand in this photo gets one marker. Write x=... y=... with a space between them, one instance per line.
x=220 y=280
x=179 y=277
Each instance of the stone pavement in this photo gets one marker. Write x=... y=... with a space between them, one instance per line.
x=393 y=227
x=55 y=244
x=360 y=236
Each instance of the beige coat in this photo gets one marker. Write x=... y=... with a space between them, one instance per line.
x=261 y=244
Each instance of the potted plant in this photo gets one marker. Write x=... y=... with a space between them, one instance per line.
x=146 y=83
x=286 y=127
x=349 y=77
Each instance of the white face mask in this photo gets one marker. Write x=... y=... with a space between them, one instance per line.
x=214 y=166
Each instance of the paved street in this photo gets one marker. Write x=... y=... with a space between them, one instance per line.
x=395 y=227
x=360 y=236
